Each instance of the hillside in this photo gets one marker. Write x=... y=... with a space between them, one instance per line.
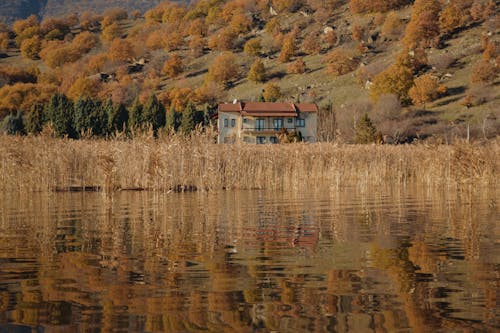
x=439 y=83
x=11 y=10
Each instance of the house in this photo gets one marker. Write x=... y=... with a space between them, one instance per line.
x=263 y=122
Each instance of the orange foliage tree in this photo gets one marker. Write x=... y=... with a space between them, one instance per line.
x=363 y=6
x=288 y=48
x=426 y=89
x=121 y=50
x=223 y=69
x=173 y=66
x=257 y=71
x=423 y=28
x=339 y=62
x=397 y=80
x=30 y=48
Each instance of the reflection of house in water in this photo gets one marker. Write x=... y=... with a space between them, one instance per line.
x=261 y=122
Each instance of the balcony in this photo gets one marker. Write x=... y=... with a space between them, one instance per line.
x=265 y=130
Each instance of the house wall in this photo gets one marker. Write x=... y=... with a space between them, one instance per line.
x=231 y=134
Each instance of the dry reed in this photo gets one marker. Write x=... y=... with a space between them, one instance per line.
x=176 y=163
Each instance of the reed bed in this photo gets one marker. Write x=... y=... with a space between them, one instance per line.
x=177 y=163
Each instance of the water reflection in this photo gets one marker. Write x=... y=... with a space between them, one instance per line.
x=322 y=261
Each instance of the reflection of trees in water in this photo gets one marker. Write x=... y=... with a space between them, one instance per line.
x=255 y=261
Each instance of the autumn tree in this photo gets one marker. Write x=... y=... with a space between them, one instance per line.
x=111 y=32
x=83 y=87
x=423 y=28
x=450 y=18
x=363 y=6
x=223 y=69
x=121 y=50
x=253 y=47
x=4 y=41
x=393 y=25
x=257 y=71
x=197 y=45
x=30 y=48
x=224 y=40
x=397 y=79
x=173 y=66
x=271 y=92
x=339 y=62
x=330 y=38
x=425 y=90
x=288 y=48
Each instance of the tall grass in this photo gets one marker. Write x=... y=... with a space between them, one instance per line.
x=176 y=163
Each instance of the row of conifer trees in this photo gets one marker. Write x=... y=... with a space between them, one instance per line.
x=103 y=118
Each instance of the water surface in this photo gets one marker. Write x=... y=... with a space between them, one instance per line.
x=342 y=260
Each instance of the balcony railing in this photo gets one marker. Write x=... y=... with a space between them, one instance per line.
x=266 y=129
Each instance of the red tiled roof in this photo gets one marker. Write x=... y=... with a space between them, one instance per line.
x=267 y=108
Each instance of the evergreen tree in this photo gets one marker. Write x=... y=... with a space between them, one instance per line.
x=35 y=119
x=117 y=117
x=365 y=131
x=154 y=113
x=136 y=118
x=189 y=117
x=173 y=120
x=60 y=112
x=99 y=118
x=82 y=110
x=13 y=125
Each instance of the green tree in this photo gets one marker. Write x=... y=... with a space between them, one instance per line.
x=136 y=118
x=35 y=119
x=365 y=130
x=117 y=117
x=173 y=120
x=189 y=119
x=13 y=124
x=60 y=111
x=154 y=113
x=82 y=110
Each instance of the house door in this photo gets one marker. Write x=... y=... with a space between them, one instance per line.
x=260 y=124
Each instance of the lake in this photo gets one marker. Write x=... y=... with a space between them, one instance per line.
x=347 y=259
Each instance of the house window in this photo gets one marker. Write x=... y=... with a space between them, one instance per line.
x=261 y=139
x=278 y=124
x=290 y=120
x=260 y=124
x=226 y=123
x=233 y=122
x=300 y=122
x=245 y=120
x=273 y=139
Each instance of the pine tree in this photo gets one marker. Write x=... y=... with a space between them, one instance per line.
x=117 y=117
x=173 y=120
x=365 y=131
x=13 y=125
x=99 y=119
x=34 y=119
x=136 y=118
x=60 y=111
x=82 y=111
x=154 y=113
x=188 y=122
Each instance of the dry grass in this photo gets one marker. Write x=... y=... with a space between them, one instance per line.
x=175 y=163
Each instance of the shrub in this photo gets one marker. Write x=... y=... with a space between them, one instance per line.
x=297 y=67
x=393 y=25
x=484 y=72
x=223 y=69
x=121 y=50
x=365 y=130
x=111 y=32
x=311 y=44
